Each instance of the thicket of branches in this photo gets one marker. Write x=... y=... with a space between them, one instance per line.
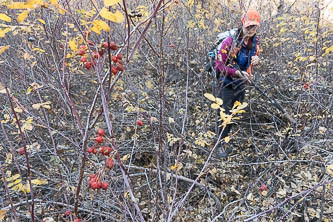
x=156 y=119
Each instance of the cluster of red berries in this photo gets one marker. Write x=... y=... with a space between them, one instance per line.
x=95 y=183
x=88 y=63
x=118 y=64
x=104 y=150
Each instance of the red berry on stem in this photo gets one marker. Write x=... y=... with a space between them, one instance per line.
x=83 y=59
x=114 y=59
x=105 y=185
x=263 y=187
x=120 y=67
x=88 y=65
x=81 y=52
x=92 y=176
x=114 y=70
x=99 y=139
x=101 y=52
x=105 y=45
x=139 y=122
x=77 y=220
x=100 y=132
x=91 y=149
x=101 y=150
x=21 y=151
x=109 y=163
x=95 y=55
x=113 y=46
x=107 y=151
x=68 y=212
x=90 y=42
x=120 y=56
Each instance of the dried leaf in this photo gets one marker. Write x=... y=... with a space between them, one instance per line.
x=14 y=177
x=2 y=214
x=215 y=106
x=210 y=97
x=3 y=49
x=219 y=101
x=100 y=25
x=329 y=169
x=42 y=21
x=21 y=17
x=227 y=139
x=72 y=45
x=5 y=18
x=124 y=158
x=110 y=2
x=113 y=17
x=39 y=182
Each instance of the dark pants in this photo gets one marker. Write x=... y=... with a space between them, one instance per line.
x=229 y=94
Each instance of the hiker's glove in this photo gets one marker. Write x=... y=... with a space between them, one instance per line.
x=255 y=60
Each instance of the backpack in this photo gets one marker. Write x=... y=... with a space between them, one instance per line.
x=212 y=54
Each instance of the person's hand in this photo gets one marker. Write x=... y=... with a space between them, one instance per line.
x=255 y=60
x=244 y=75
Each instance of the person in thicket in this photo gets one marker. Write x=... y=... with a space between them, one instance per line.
x=234 y=63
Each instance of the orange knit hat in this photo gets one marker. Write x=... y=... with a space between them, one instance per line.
x=251 y=18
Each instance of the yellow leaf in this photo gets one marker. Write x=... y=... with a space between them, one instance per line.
x=312 y=58
x=54 y=2
x=176 y=166
x=237 y=103
x=124 y=158
x=149 y=84
x=25 y=188
x=42 y=21
x=3 y=49
x=61 y=10
x=210 y=97
x=190 y=3
x=4 y=31
x=18 y=187
x=22 y=16
x=227 y=139
x=9 y=158
x=100 y=25
x=14 y=177
x=45 y=105
x=15 y=182
x=38 y=49
x=39 y=182
x=219 y=101
x=72 y=45
x=18 y=110
x=19 y=5
x=329 y=169
x=5 y=18
x=2 y=214
x=113 y=17
x=33 y=86
x=110 y=2
x=36 y=106
x=215 y=106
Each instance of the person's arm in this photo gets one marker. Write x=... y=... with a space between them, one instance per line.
x=222 y=57
x=254 y=58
